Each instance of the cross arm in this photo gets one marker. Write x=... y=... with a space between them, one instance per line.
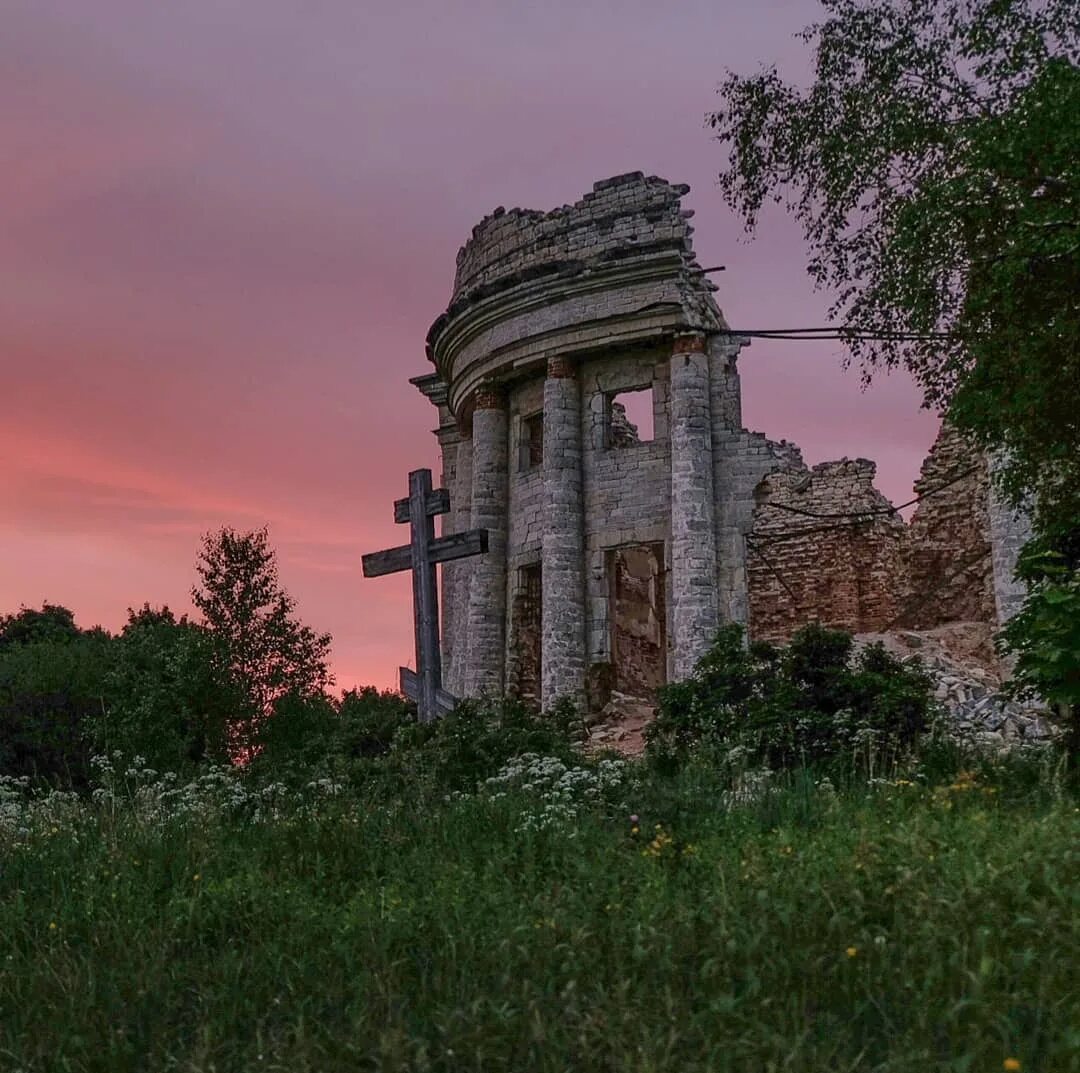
x=443 y=550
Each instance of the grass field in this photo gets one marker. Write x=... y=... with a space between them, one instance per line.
x=900 y=927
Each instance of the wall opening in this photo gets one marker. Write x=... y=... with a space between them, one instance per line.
x=526 y=625
x=638 y=619
x=531 y=445
x=630 y=419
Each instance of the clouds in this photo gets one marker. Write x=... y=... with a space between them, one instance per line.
x=226 y=225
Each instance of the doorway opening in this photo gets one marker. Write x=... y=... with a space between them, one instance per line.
x=638 y=619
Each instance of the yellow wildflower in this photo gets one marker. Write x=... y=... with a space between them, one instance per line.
x=1011 y=1064
x=52 y=925
x=851 y=951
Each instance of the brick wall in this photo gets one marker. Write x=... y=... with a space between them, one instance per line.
x=949 y=574
x=827 y=547
x=809 y=560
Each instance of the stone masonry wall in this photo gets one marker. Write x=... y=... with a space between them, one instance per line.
x=809 y=560
x=627 y=489
x=826 y=546
x=948 y=569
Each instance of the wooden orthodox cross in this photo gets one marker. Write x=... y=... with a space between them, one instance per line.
x=420 y=555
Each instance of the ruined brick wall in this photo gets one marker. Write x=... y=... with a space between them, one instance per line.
x=810 y=560
x=949 y=576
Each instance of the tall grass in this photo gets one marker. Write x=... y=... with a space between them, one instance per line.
x=893 y=928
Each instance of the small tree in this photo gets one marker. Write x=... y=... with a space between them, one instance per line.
x=168 y=699
x=267 y=652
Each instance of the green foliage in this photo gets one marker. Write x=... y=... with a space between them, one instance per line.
x=168 y=700
x=370 y=719
x=53 y=686
x=317 y=736
x=812 y=703
x=260 y=645
x=473 y=742
x=901 y=929
x=52 y=623
x=1044 y=637
x=933 y=164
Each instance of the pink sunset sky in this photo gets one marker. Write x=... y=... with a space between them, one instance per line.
x=226 y=225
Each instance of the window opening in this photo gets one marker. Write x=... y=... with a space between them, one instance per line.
x=532 y=442
x=630 y=418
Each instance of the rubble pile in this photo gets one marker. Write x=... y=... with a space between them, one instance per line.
x=968 y=684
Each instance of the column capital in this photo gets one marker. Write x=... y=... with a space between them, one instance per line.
x=689 y=343
x=561 y=367
x=489 y=397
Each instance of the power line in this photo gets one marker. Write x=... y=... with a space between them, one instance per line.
x=840 y=332
x=874 y=511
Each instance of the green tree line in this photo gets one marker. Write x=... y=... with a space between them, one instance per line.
x=246 y=681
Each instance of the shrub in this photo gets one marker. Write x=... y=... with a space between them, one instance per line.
x=475 y=741
x=308 y=735
x=51 y=691
x=166 y=699
x=814 y=702
x=1044 y=636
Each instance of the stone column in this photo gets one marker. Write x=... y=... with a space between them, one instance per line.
x=487 y=591
x=562 y=604
x=457 y=576
x=449 y=441
x=694 y=614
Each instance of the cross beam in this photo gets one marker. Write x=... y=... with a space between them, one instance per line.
x=421 y=555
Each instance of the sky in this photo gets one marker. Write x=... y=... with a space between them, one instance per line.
x=226 y=226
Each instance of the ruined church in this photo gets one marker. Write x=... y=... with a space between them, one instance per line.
x=589 y=410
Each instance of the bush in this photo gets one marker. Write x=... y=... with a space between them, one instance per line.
x=1044 y=636
x=475 y=741
x=51 y=692
x=305 y=736
x=812 y=703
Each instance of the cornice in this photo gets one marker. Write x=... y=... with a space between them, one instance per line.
x=460 y=329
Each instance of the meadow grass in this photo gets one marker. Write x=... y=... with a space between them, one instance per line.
x=892 y=928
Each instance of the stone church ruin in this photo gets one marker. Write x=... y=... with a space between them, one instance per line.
x=589 y=410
